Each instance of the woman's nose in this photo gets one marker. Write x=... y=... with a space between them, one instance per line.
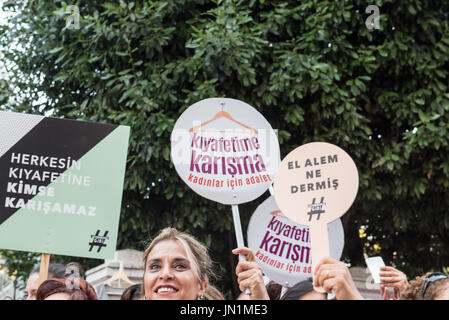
x=166 y=273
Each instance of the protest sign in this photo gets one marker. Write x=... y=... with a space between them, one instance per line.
x=282 y=247
x=225 y=150
x=61 y=184
x=316 y=184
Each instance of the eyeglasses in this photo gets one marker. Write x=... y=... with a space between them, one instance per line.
x=434 y=276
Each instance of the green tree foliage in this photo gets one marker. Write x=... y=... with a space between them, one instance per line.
x=312 y=68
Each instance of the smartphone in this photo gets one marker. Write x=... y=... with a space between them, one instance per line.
x=374 y=264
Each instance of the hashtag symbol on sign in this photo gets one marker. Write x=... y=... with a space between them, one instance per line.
x=98 y=241
x=316 y=208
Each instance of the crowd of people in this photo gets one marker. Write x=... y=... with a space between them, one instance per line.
x=178 y=267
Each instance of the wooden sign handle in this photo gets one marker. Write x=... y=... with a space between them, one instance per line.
x=319 y=242
x=43 y=271
x=239 y=235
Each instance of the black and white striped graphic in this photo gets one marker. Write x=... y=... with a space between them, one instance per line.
x=46 y=137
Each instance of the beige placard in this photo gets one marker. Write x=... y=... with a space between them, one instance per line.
x=316 y=184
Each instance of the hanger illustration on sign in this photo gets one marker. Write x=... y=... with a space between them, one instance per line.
x=277 y=213
x=227 y=115
x=119 y=276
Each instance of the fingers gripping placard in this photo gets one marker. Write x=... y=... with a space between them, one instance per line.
x=282 y=247
x=316 y=184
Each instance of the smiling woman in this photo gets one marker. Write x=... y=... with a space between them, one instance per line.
x=177 y=267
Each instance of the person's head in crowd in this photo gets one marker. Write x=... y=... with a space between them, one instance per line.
x=55 y=270
x=431 y=286
x=303 y=290
x=57 y=289
x=177 y=267
x=75 y=269
x=274 y=290
x=133 y=292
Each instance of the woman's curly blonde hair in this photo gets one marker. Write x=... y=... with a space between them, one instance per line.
x=415 y=287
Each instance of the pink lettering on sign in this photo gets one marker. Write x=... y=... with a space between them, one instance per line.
x=201 y=162
x=285 y=249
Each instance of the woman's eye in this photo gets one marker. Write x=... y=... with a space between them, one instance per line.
x=180 y=267
x=153 y=267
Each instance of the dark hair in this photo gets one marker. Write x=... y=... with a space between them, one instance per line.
x=274 y=290
x=414 y=290
x=55 y=270
x=134 y=292
x=299 y=289
x=52 y=286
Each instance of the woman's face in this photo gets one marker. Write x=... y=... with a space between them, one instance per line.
x=32 y=285
x=169 y=274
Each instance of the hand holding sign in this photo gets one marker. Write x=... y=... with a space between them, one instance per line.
x=250 y=275
x=282 y=247
x=334 y=277
x=316 y=184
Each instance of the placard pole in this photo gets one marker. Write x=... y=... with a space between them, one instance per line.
x=271 y=189
x=319 y=246
x=43 y=271
x=239 y=235
x=283 y=291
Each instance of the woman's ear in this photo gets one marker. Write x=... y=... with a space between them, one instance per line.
x=203 y=286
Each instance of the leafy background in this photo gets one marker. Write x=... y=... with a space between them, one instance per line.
x=312 y=68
